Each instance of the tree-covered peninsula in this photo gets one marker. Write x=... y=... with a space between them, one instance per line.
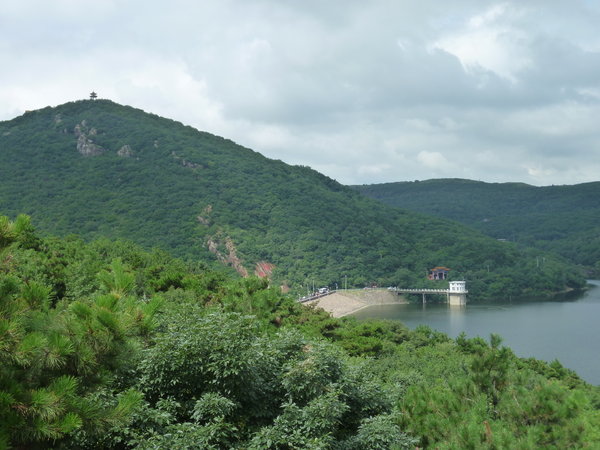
x=106 y=345
x=99 y=169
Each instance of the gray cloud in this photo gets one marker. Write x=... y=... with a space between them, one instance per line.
x=362 y=91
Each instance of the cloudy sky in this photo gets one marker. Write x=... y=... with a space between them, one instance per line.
x=363 y=91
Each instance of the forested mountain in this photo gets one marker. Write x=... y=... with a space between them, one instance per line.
x=563 y=219
x=96 y=168
x=104 y=345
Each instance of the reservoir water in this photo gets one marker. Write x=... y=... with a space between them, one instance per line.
x=567 y=330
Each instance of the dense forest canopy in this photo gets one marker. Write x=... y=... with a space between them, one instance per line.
x=99 y=169
x=561 y=219
x=106 y=345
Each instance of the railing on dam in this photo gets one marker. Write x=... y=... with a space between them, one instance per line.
x=315 y=296
x=420 y=291
x=396 y=290
x=426 y=291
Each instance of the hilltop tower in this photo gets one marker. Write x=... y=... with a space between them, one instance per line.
x=457 y=294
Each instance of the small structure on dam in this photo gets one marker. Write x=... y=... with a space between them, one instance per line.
x=457 y=294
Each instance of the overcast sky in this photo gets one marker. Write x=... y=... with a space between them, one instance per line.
x=362 y=91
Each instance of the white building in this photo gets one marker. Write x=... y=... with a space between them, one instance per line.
x=457 y=295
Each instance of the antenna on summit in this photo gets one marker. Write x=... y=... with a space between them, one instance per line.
x=93 y=96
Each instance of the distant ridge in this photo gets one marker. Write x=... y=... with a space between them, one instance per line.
x=564 y=219
x=100 y=169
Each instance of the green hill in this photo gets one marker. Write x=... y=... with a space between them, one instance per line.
x=563 y=219
x=97 y=168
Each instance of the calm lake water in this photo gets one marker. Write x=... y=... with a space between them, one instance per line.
x=567 y=330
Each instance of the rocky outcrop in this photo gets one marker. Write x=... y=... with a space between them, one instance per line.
x=230 y=258
x=264 y=269
x=185 y=162
x=85 y=145
x=125 y=151
x=204 y=217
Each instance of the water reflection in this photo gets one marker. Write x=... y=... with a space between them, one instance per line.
x=457 y=315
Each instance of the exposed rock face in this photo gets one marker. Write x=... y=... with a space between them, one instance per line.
x=204 y=218
x=85 y=145
x=231 y=257
x=125 y=151
x=264 y=269
x=185 y=162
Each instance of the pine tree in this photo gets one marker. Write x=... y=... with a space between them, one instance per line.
x=55 y=356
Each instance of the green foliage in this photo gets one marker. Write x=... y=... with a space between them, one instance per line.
x=561 y=219
x=219 y=368
x=55 y=354
x=380 y=433
x=104 y=345
x=303 y=427
x=217 y=348
x=117 y=282
x=490 y=366
x=492 y=405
